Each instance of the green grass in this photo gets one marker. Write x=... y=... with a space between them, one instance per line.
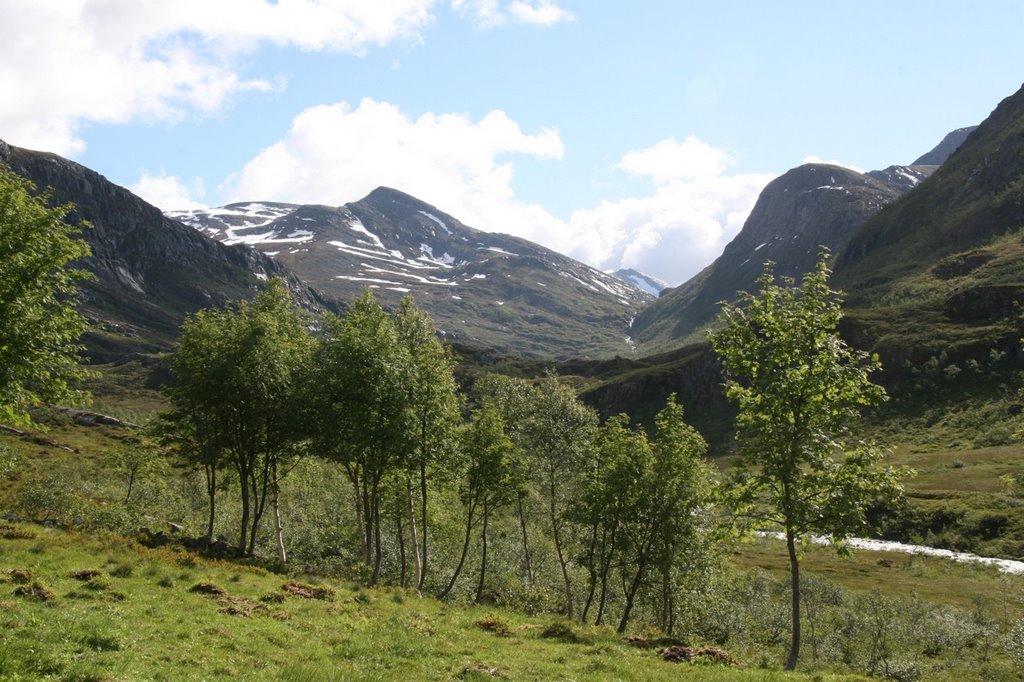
x=933 y=579
x=139 y=620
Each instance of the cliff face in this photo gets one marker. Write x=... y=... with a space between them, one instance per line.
x=149 y=270
x=806 y=208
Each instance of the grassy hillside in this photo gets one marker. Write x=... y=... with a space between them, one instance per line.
x=138 y=618
x=99 y=607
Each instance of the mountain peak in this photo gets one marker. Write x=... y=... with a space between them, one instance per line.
x=388 y=195
x=943 y=150
x=483 y=289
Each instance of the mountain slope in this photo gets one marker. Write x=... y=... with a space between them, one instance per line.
x=482 y=289
x=808 y=207
x=934 y=284
x=941 y=271
x=943 y=150
x=150 y=271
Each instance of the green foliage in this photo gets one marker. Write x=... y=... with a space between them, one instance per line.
x=555 y=431
x=39 y=320
x=237 y=400
x=134 y=459
x=360 y=386
x=799 y=387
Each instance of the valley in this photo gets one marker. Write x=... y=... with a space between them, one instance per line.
x=494 y=387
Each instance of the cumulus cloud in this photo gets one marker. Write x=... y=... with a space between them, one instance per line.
x=67 y=62
x=831 y=162
x=336 y=154
x=672 y=233
x=169 y=192
x=671 y=160
x=492 y=13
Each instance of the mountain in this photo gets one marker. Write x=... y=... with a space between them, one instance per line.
x=933 y=282
x=950 y=143
x=808 y=207
x=149 y=270
x=482 y=289
x=642 y=280
x=941 y=271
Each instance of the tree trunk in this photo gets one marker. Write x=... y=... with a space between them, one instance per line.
x=526 y=540
x=606 y=562
x=558 y=550
x=423 y=515
x=794 y=585
x=401 y=544
x=414 y=540
x=282 y=555
x=131 y=482
x=377 y=551
x=483 y=559
x=462 y=559
x=667 y=615
x=592 y=571
x=243 y=478
x=211 y=491
x=630 y=598
x=367 y=524
x=260 y=490
x=355 y=479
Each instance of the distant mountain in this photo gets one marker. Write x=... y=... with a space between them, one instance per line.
x=641 y=280
x=482 y=289
x=934 y=284
x=150 y=271
x=808 y=207
x=950 y=143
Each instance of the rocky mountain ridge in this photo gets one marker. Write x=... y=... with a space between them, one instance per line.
x=482 y=289
x=149 y=270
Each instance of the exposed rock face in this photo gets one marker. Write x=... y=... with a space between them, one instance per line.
x=950 y=143
x=806 y=208
x=150 y=271
x=483 y=289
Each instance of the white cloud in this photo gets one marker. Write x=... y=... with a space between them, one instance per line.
x=671 y=160
x=831 y=162
x=672 y=233
x=492 y=13
x=65 y=63
x=168 y=192
x=336 y=154
x=68 y=62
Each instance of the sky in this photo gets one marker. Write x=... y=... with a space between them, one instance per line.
x=623 y=134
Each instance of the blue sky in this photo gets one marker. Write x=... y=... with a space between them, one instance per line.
x=634 y=135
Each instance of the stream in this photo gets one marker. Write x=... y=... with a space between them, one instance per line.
x=1004 y=565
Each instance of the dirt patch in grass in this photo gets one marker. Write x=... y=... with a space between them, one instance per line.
x=308 y=591
x=240 y=606
x=563 y=633
x=35 y=592
x=208 y=589
x=494 y=625
x=86 y=574
x=18 y=576
x=8 y=532
x=479 y=670
x=685 y=654
x=653 y=642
